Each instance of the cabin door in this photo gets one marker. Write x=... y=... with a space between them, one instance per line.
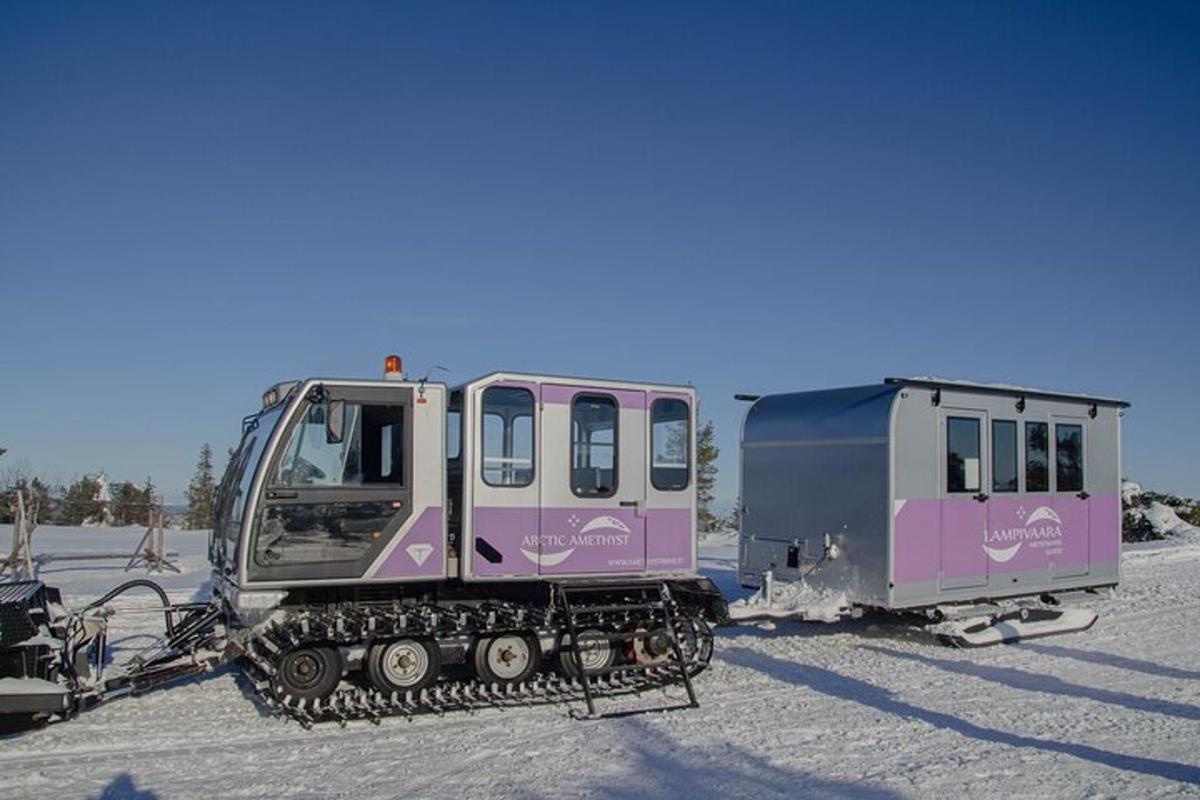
x=593 y=479
x=1068 y=439
x=670 y=484
x=506 y=491
x=964 y=508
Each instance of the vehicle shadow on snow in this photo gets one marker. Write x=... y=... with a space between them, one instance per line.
x=858 y=691
x=123 y=787
x=1112 y=660
x=1046 y=683
x=657 y=766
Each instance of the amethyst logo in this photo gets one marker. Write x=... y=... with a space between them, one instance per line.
x=1042 y=528
x=601 y=531
x=419 y=552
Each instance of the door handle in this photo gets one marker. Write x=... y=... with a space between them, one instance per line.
x=638 y=506
x=982 y=497
x=1083 y=495
x=282 y=494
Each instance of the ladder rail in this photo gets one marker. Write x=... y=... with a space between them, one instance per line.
x=576 y=653
x=664 y=604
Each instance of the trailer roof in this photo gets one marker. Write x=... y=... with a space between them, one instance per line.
x=1002 y=388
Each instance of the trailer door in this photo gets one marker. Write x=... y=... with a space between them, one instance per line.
x=593 y=455
x=964 y=510
x=1072 y=558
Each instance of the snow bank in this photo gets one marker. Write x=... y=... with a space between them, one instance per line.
x=796 y=600
x=1162 y=518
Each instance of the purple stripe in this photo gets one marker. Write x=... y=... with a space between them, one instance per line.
x=420 y=554
x=558 y=541
x=562 y=394
x=962 y=538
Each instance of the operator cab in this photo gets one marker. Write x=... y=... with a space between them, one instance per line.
x=322 y=487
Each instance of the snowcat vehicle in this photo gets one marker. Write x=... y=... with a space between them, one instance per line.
x=394 y=546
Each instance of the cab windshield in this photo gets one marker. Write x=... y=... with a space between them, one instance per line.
x=235 y=484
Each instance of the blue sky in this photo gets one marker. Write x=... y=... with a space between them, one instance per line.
x=197 y=200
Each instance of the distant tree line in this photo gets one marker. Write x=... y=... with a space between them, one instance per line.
x=93 y=500
x=82 y=502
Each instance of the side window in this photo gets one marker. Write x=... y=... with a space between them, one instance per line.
x=1037 y=457
x=1004 y=455
x=962 y=454
x=594 y=445
x=1068 y=457
x=669 y=445
x=507 y=436
x=369 y=452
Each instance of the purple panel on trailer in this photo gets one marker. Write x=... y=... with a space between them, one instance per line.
x=915 y=549
x=1105 y=526
x=1023 y=534
x=501 y=534
x=669 y=545
x=964 y=524
x=1073 y=548
x=1029 y=533
x=561 y=394
x=419 y=553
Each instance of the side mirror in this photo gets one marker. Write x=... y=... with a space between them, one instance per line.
x=335 y=421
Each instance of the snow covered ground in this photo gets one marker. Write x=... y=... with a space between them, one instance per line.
x=866 y=708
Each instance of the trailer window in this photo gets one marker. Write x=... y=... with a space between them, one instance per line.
x=370 y=452
x=507 y=436
x=669 y=446
x=1004 y=455
x=1068 y=457
x=962 y=454
x=594 y=445
x=1037 y=457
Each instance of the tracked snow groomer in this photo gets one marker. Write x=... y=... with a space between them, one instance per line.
x=393 y=546
x=978 y=506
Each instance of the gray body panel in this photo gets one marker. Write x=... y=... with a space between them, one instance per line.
x=845 y=465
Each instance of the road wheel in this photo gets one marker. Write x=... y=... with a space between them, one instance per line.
x=405 y=665
x=506 y=659
x=595 y=649
x=309 y=673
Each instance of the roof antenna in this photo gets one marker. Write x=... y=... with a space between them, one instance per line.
x=421 y=383
x=431 y=370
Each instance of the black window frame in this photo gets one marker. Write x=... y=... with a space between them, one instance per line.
x=978 y=423
x=1082 y=462
x=400 y=442
x=1025 y=450
x=532 y=437
x=687 y=444
x=1016 y=457
x=616 y=445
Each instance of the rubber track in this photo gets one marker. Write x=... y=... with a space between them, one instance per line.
x=359 y=626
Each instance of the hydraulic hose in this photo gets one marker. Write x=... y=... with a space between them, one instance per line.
x=133 y=584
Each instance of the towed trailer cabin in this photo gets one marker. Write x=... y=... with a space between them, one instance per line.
x=918 y=493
